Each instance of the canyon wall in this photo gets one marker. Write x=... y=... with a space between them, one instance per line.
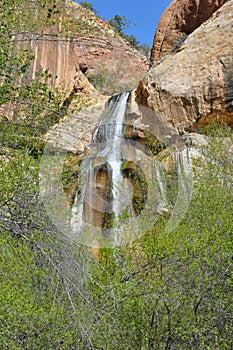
x=80 y=39
x=186 y=89
x=193 y=86
x=180 y=19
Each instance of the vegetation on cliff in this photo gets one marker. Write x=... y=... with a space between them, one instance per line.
x=164 y=291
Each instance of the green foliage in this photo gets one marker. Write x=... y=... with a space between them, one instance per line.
x=165 y=291
x=175 y=291
x=119 y=23
x=106 y=79
x=88 y=6
x=32 y=105
x=35 y=311
x=132 y=40
x=143 y=48
x=35 y=108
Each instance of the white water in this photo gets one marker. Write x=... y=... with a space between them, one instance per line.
x=106 y=151
x=183 y=165
x=108 y=138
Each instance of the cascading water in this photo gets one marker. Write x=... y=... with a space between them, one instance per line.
x=183 y=167
x=109 y=137
x=125 y=183
x=123 y=191
x=105 y=152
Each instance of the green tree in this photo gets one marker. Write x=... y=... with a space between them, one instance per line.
x=32 y=302
x=88 y=6
x=174 y=291
x=119 y=23
x=132 y=40
x=170 y=291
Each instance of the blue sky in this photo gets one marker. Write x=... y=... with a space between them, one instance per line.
x=145 y=14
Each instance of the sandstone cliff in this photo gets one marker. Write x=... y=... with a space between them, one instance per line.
x=181 y=18
x=193 y=86
x=189 y=88
x=80 y=38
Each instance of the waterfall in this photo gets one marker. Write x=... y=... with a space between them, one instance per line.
x=183 y=166
x=109 y=136
x=89 y=206
x=123 y=188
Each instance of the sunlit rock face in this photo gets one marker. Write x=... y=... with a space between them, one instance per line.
x=81 y=39
x=120 y=179
x=189 y=88
x=194 y=86
x=180 y=19
x=186 y=90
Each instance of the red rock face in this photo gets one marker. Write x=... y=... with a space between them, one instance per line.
x=182 y=17
x=93 y=44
